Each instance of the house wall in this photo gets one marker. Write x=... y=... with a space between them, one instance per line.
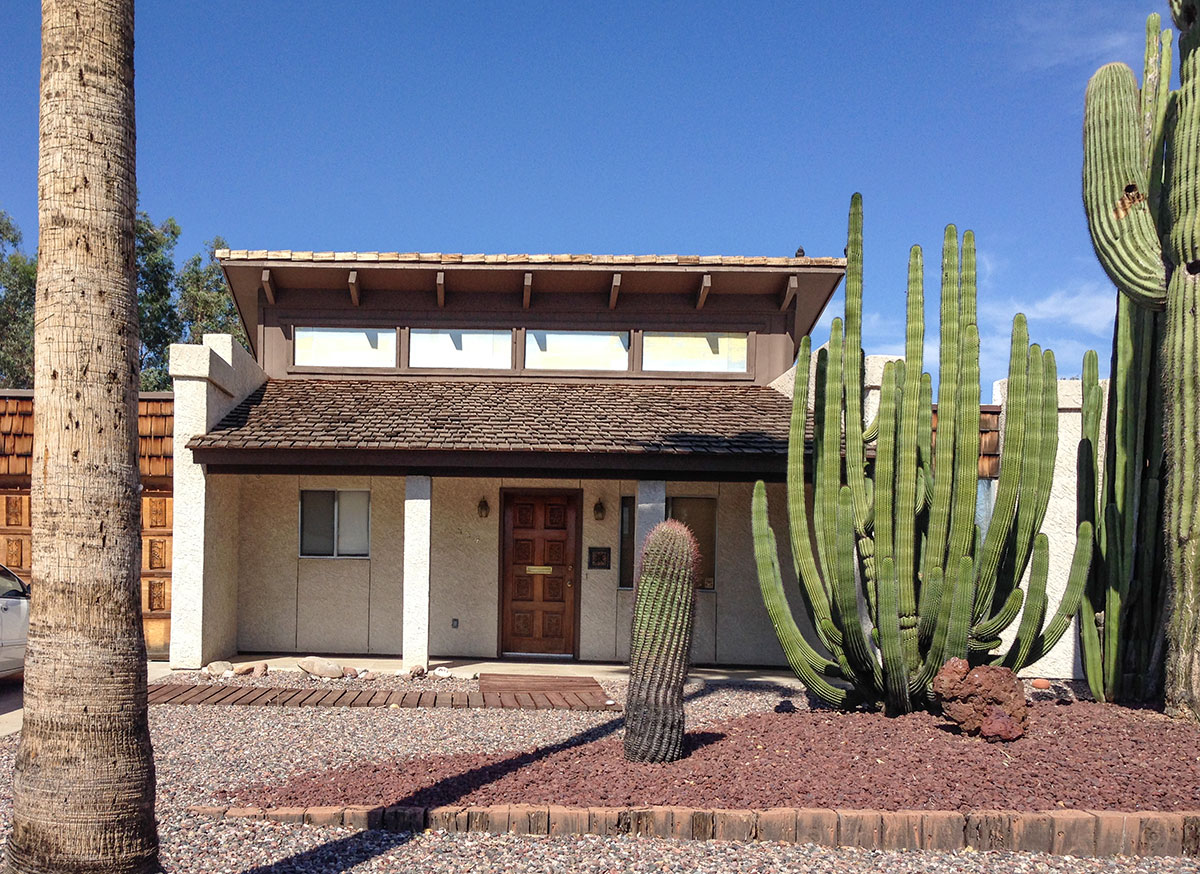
x=732 y=626
x=1059 y=526
x=210 y=379
x=773 y=349
x=290 y=604
x=335 y=605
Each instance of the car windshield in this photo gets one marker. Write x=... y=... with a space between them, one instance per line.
x=10 y=582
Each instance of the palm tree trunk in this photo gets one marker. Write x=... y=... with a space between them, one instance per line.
x=83 y=787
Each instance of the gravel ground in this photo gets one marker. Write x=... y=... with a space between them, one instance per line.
x=299 y=680
x=199 y=750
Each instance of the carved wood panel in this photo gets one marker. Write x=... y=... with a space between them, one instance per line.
x=540 y=555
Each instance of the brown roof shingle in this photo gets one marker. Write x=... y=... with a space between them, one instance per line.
x=494 y=415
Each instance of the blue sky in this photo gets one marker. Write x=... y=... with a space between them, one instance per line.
x=722 y=128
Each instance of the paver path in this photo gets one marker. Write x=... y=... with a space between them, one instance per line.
x=495 y=690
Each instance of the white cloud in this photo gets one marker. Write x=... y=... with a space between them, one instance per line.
x=1086 y=307
x=1072 y=35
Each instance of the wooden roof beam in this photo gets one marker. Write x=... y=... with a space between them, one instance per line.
x=267 y=287
x=705 y=288
x=789 y=293
x=616 y=289
x=353 y=283
x=528 y=293
x=441 y=289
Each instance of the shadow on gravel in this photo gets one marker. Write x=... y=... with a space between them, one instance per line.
x=344 y=853
x=337 y=856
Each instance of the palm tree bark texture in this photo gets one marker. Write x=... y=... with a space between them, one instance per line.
x=83 y=786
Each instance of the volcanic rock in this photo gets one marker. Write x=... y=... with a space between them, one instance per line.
x=986 y=700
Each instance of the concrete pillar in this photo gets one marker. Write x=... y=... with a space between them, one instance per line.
x=651 y=509
x=210 y=380
x=418 y=493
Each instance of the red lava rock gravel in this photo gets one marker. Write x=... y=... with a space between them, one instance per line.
x=1077 y=756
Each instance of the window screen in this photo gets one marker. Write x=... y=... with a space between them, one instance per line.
x=700 y=515
x=316 y=522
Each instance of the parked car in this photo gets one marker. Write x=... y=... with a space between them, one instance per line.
x=14 y=622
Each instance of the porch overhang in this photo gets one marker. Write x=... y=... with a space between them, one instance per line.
x=359 y=462
x=483 y=427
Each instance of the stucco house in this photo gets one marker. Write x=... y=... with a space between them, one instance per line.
x=458 y=456
x=455 y=455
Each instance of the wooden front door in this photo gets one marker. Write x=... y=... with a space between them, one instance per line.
x=539 y=591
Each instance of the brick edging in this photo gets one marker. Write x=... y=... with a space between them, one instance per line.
x=1061 y=832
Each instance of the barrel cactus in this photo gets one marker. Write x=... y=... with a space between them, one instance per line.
x=663 y=611
x=896 y=575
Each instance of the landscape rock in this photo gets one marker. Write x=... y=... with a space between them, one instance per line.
x=350 y=673
x=986 y=700
x=999 y=725
x=319 y=667
x=1040 y=683
x=442 y=672
x=228 y=675
x=416 y=672
x=217 y=669
x=260 y=669
x=367 y=675
x=243 y=669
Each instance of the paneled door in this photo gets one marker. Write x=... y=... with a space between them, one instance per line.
x=539 y=590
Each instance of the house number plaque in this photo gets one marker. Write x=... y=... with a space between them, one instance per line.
x=541 y=569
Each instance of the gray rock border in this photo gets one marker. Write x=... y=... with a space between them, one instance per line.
x=1060 y=832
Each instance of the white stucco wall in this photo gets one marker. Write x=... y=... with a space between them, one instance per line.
x=320 y=605
x=1059 y=526
x=268 y=550
x=417 y=570
x=210 y=380
x=464 y=567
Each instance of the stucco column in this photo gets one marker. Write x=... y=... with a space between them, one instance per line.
x=210 y=380
x=651 y=509
x=418 y=493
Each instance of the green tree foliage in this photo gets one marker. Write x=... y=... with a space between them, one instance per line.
x=174 y=306
x=205 y=304
x=160 y=323
x=18 y=281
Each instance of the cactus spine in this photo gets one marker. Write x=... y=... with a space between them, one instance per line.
x=1122 y=615
x=929 y=585
x=662 y=637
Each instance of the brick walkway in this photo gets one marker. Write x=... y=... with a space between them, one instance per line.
x=582 y=697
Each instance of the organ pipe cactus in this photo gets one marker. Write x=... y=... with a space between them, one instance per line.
x=895 y=574
x=1130 y=136
x=663 y=611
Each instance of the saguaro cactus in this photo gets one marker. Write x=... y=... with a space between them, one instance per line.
x=1141 y=187
x=918 y=583
x=663 y=611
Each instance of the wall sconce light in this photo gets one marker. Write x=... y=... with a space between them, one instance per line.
x=598 y=511
x=483 y=508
